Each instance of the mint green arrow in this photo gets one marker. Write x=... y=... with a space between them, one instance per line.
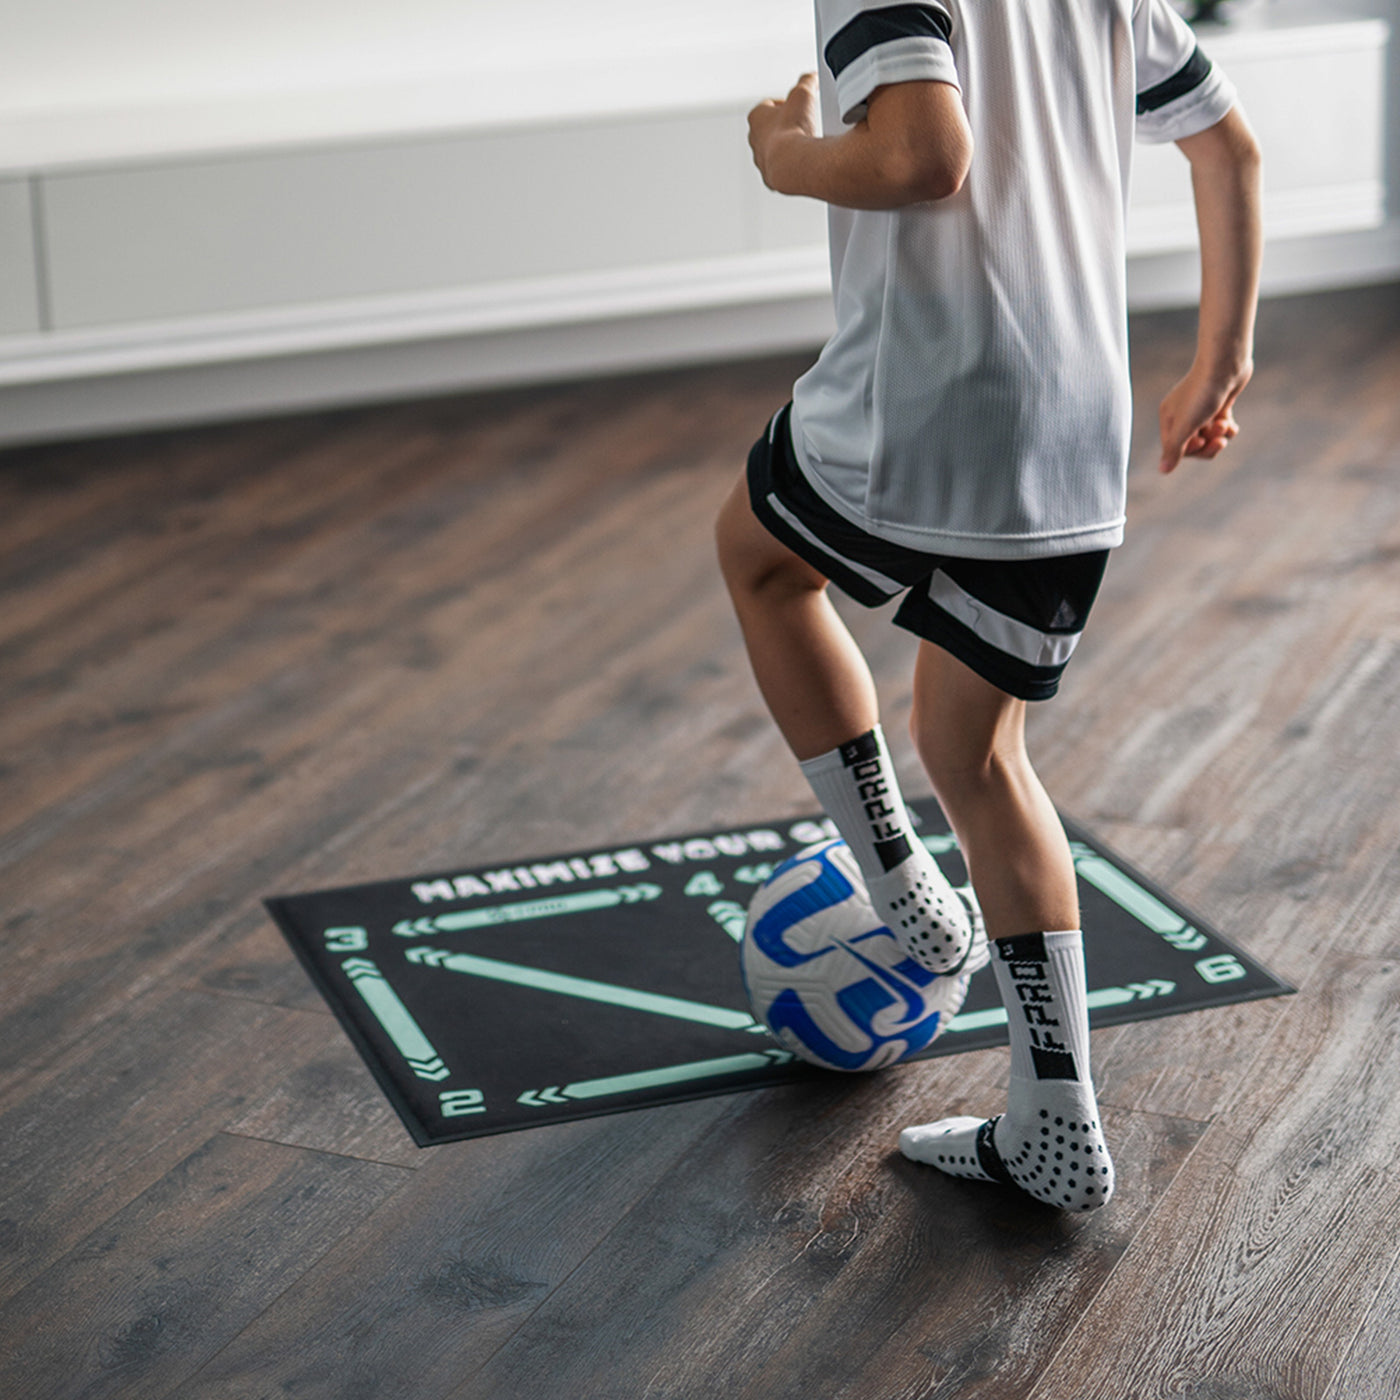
x=977 y=1020
x=654 y=1078
x=731 y=917
x=675 y=1074
x=396 y=1019
x=1138 y=991
x=542 y=1098
x=1126 y=893
x=498 y=914
x=1157 y=987
x=936 y=843
x=1105 y=996
x=1130 y=896
x=722 y=1016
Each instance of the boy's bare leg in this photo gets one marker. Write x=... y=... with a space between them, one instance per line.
x=809 y=670
x=819 y=689
x=971 y=737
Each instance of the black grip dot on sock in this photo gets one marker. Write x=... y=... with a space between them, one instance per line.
x=1064 y=1164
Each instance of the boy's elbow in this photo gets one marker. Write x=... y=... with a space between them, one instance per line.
x=1244 y=145
x=941 y=175
x=921 y=140
x=1251 y=154
x=954 y=176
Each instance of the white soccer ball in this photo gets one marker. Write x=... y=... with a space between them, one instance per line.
x=825 y=975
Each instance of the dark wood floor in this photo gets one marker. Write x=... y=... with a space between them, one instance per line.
x=274 y=656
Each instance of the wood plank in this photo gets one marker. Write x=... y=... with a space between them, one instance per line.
x=115 y=908
x=200 y=797
x=251 y=959
x=1217 y=688
x=1164 y=1066
x=794 y=1253
x=349 y=646
x=413 y=578
x=64 y=499
x=1261 y=1263
x=1370 y=1370
x=138 y=1304
x=82 y=1140
x=457 y=1263
x=171 y=626
x=1292 y=881
x=329 y=1102
x=199 y=644
x=1372 y=926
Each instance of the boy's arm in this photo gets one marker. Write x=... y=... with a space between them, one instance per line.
x=913 y=145
x=1196 y=417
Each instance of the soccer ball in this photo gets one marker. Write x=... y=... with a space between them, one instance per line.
x=828 y=979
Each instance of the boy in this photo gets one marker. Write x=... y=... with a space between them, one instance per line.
x=963 y=439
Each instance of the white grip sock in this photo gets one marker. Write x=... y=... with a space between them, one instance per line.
x=1049 y=1142
x=858 y=790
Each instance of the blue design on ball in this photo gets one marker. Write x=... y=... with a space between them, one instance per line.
x=914 y=1025
x=787 y=1012
x=830 y=888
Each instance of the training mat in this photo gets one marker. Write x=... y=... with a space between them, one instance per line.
x=500 y=997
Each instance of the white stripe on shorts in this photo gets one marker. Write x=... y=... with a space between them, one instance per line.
x=1018 y=639
x=888 y=586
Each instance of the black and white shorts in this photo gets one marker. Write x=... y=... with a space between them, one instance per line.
x=1013 y=621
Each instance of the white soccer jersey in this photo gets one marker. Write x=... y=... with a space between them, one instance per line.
x=974 y=400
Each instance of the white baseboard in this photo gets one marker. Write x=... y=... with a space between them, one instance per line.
x=1291 y=266
x=1288 y=215
x=252 y=387
x=277 y=332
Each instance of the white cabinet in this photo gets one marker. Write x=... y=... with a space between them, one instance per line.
x=19 y=281
x=1316 y=96
x=487 y=225
x=403 y=217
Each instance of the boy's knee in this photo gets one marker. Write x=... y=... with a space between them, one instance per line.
x=958 y=758
x=968 y=733
x=943 y=756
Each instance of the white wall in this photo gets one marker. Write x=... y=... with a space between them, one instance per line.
x=83 y=81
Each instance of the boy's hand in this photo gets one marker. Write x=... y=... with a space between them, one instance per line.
x=1196 y=417
x=771 y=120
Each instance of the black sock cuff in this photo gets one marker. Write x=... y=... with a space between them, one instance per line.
x=863 y=749
x=1025 y=947
x=894 y=852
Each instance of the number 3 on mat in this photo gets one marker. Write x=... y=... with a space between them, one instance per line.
x=346 y=940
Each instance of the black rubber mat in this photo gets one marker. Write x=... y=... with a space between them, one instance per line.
x=494 y=998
